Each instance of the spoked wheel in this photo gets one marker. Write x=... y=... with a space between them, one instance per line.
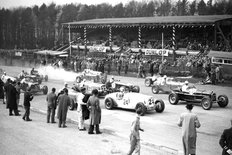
x=206 y=103
x=223 y=101
x=155 y=89
x=160 y=106
x=142 y=107
x=147 y=82
x=109 y=103
x=173 y=98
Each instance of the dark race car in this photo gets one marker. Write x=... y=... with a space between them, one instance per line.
x=40 y=77
x=28 y=81
x=205 y=98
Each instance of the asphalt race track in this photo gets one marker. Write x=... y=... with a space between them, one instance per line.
x=160 y=128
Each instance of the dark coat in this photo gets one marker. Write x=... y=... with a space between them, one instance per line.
x=11 y=97
x=27 y=98
x=63 y=104
x=1 y=89
x=51 y=100
x=93 y=105
x=226 y=141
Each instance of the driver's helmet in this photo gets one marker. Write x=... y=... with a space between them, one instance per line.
x=4 y=73
x=112 y=79
x=186 y=82
x=165 y=76
x=122 y=89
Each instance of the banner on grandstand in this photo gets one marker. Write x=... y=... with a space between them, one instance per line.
x=97 y=49
x=18 y=54
x=156 y=52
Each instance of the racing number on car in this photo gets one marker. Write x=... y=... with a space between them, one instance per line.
x=126 y=101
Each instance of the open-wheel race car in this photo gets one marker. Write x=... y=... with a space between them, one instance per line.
x=134 y=101
x=166 y=86
x=39 y=76
x=205 y=98
x=35 y=86
x=127 y=86
x=90 y=75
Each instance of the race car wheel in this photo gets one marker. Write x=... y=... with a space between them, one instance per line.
x=147 y=82
x=222 y=101
x=45 y=90
x=155 y=89
x=78 y=79
x=136 y=89
x=206 y=103
x=173 y=98
x=72 y=105
x=109 y=103
x=160 y=106
x=46 y=78
x=142 y=107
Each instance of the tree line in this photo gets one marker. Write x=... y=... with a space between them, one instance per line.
x=38 y=27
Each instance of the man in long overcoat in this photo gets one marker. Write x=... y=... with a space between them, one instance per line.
x=189 y=122
x=226 y=141
x=63 y=104
x=2 y=91
x=11 y=99
x=93 y=105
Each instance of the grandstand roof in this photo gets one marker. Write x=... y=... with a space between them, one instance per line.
x=152 y=21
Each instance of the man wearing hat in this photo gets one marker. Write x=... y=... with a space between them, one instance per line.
x=189 y=122
x=226 y=141
x=27 y=98
x=185 y=87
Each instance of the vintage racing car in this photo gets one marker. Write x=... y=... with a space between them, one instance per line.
x=39 y=76
x=131 y=100
x=166 y=86
x=28 y=81
x=90 y=75
x=129 y=87
x=5 y=77
x=205 y=98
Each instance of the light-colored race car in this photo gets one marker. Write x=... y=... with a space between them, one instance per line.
x=166 y=86
x=90 y=75
x=134 y=101
x=5 y=77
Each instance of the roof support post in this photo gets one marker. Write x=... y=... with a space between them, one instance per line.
x=174 y=42
x=69 y=39
x=62 y=42
x=224 y=38
x=85 y=39
x=110 y=38
x=215 y=34
x=139 y=36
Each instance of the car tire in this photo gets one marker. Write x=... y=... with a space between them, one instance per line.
x=109 y=104
x=147 y=82
x=223 y=101
x=72 y=105
x=155 y=89
x=160 y=106
x=206 y=103
x=78 y=79
x=173 y=98
x=45 y=90
x=136 y=89
x=141 y=106
x=46 y=78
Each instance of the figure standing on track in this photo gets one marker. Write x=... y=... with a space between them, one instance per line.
x=27 y=98
x=81 y=109
x=63 y=104
x=12 y=103
x=2 y=91
x=226 y=141
x=51 y=106
x=134 y=135
x=189 y=122
x=18 y=89
x=93 y=105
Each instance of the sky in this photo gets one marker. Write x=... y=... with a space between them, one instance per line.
x=28 y=3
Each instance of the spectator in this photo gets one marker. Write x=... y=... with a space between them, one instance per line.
x=93 y=105
x=226 y=141
x=18 y=89
x=2 y=91
x=189 y=122
x=11 y=99
x=134 y=135
x=63 y=103
x=27 y=98
x=80 y=109
x=51 y=106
